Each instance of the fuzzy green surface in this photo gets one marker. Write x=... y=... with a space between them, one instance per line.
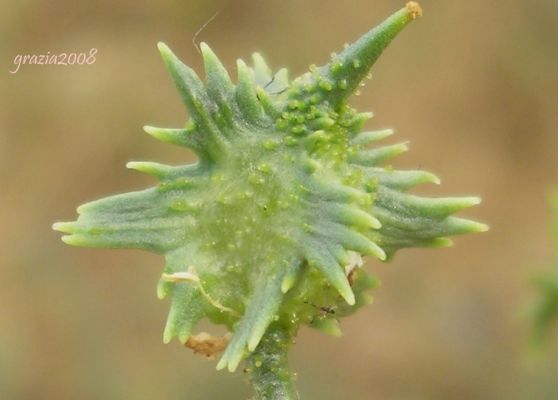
x=268 y=367
x=287 y=192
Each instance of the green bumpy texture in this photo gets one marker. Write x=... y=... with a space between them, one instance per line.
x=287 y=194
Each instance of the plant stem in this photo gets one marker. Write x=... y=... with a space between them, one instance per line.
x=268 y=366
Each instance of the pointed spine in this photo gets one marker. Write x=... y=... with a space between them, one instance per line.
x=186 y=310
x=411 y=205
x=351 y=66
x=261 y=70
x=133 y=220
x=319 y=256
x=246 y=95
x=365 y=138
x=338 y=192
x=180 y=137
x=351 y=240
x=291 y=276
x=219 y=85
x=461 y=226
x=327 y=325
x=195 y=99
x=259 y=314
x=164 y=172
x=402 y=180
x=352 y=216
x=159 y=171
x=377 y=156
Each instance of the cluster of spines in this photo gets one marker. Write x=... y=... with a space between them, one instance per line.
x=308 y=106
x=219 y=110
x=364 y=208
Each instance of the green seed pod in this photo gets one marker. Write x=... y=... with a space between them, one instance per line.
x=265 y=228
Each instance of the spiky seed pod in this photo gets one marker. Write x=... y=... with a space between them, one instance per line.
x=286 y=195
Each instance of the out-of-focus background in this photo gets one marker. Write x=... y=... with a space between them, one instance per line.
x=473 y=85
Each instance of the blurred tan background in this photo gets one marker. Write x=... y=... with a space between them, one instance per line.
x=473 y=85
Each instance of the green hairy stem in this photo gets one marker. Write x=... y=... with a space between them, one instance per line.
x=268 y=366
x=268 y=228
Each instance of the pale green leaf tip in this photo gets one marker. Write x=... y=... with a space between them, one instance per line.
x=382 y=134
x=167 y=337
x=377 y=251
x=173 y=136
x=151 y=130
x=155 y=169
x=328 y=326
x=170 y=329
x=75 y=240
x=164 y=49
x=366 y=50
x=166 y=54
x=161 y=291
x=481 y=227
x=471 y=201
x=223 y=363
x=210 y=59
x=230 y=363
x=139 y=166
x=381 y=254
x=209 y=56
x=157 y=133
x=470 y=226
x=259 y=62
x=64 y=227
x=432 y=178
x=204 y=47
x=456 y=204
x=428 y=177
x=366 y=298
x=374 y=222
x=349 y=296
x=85 y=207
